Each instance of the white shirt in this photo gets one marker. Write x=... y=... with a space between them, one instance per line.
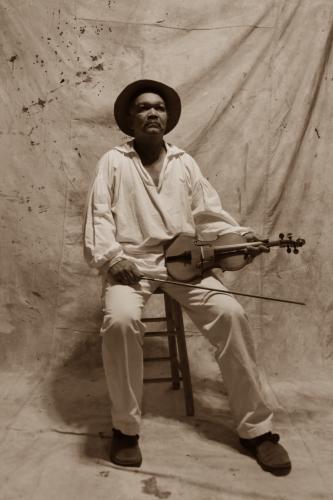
x=128 y=216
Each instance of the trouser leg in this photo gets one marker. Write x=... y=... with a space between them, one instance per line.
x=223 y=321
x=122 y=342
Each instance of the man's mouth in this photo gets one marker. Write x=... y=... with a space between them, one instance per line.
x=153 y=124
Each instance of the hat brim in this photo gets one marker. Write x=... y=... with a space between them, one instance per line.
x=123 y=101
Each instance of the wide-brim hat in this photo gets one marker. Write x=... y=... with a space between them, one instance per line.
x=123 y=101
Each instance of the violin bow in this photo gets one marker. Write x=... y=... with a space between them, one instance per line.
x=231 y=292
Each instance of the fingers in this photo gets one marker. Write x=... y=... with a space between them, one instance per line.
x=128 y=277
x=133 y=275
x=251 y=236
x=125 y=272
x=256 y=250
x=252 y=252
x=264 y=248
x=248 y=258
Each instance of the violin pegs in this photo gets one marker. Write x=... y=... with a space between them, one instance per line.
x=288 y=249
x=296 y=250
x=281 y=236
x=290 y=235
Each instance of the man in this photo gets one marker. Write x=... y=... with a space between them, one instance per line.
x=145 y=193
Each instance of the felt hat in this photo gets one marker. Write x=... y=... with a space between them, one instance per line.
x=123 y=101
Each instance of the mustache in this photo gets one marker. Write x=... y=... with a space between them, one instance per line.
x=154 y=121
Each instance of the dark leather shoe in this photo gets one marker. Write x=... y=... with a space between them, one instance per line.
x=125 y=450
x=270 y=455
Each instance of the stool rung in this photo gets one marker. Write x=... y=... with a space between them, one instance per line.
x=157 y=358
x=150 y=320
x=160 y=379
x=162 y=333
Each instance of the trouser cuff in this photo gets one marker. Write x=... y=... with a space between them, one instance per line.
x=255 y=431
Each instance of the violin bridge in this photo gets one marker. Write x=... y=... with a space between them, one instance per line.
x=207 y=257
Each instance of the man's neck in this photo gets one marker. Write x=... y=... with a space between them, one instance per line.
x=151 y=150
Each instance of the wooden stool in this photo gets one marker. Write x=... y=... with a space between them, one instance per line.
x=175 y=333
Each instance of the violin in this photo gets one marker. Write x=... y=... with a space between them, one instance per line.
x=187 y=257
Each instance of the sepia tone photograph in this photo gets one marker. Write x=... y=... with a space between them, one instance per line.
x=166 y=320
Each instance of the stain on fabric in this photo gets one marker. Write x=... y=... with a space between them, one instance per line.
x=104 y=473
x=12 y=59
x=151 y=488
x=99 y=29
x=99 y=67
x=39 y=61
x=41 y=102
x=85 y=80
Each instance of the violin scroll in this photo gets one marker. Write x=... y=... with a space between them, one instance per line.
x=290 y=243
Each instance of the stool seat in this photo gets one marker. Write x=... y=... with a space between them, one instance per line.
x=178 y=357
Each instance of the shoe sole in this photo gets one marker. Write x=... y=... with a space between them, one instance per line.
x=126 y=464
x=277 y=471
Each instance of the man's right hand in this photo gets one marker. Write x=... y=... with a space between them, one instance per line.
x=125 y=272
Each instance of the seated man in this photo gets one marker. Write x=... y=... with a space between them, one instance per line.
x=146 y=192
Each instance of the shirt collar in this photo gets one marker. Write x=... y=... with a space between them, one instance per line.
x=128 y=149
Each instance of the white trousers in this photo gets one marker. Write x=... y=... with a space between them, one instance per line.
x=218 y=316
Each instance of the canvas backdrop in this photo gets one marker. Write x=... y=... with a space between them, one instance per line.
x=255 y=79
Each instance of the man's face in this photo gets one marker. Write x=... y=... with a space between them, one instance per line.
x=149 y=115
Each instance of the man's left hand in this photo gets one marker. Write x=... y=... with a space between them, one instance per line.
x=252 y=252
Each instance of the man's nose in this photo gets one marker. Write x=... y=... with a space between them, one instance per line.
x=152 y=112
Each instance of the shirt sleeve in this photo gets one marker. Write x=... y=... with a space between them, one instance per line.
x=99 y=231
x=210 y=219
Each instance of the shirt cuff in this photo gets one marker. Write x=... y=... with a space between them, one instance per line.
x=246 y=231
x=114 y=261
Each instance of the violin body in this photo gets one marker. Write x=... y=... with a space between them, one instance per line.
x=187 y=257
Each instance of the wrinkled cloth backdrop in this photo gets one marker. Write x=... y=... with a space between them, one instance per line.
x=256 y=82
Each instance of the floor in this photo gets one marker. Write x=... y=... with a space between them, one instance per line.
x=56 y=435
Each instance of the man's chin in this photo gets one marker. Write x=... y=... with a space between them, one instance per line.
x=153 y=128
x=154 y=131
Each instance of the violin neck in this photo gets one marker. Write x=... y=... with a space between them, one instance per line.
x=240 y=248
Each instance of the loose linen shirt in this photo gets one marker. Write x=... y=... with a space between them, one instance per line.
x=128 y=216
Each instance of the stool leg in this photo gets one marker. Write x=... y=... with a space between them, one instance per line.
x=184 y=364
x=172 y=343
